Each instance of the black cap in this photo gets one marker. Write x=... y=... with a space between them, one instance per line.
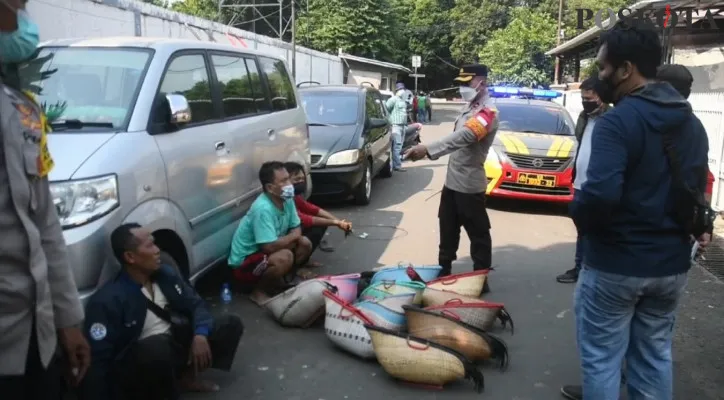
x=677 y=76
x=467 y=72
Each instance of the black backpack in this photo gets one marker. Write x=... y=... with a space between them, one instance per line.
x=691 y=209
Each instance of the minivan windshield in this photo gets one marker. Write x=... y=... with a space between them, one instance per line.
x=535 y=119
x=86 y=87
x=330 y=108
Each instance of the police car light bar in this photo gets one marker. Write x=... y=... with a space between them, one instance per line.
x=502 y=91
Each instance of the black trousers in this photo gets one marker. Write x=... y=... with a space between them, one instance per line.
x=38 y=382
x=151 y=368
x=466 y=210
x=315 y=234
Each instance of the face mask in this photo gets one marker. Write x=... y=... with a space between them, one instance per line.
x=287 y=192
x=589 y=107
x=19 y=45
x=300 y=188
x=608 y=90
x=467 y=93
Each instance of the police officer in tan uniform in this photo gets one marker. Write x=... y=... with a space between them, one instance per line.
x=39 y=299
x=462 y=201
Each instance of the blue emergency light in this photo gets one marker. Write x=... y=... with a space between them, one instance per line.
x=503 y=91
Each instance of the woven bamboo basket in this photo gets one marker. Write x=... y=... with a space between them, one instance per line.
x=382 y=290
x=300 y=305
x=400 y=273
x=382 y=316
x=475 y=344
x=395 y=302
x=480 y=314
x=467 y=284
x=435 y=297
x=420 y=361
x=346 y=285
x=344 y=326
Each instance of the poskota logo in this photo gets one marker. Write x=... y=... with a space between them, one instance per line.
x=663 y=18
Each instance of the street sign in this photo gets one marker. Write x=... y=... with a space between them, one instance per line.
x=417 y=75
x=416 y=61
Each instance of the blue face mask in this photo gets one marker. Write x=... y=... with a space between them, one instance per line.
x=19 y=45
x=287 y=192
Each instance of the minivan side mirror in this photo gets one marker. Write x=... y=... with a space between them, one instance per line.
x=375 y=123
x=179 y=109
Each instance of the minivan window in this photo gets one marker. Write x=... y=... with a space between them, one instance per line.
x=187 y=75
x=280 y=86
x=535 y=119
x=373 y=109
x=330 y=108
x=262 y=102
x=237 y=96
x=88 y=84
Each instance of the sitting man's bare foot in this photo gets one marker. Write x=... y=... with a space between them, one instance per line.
x=258 y=297
x=199 y=386
x=305 y=273
x=314 y=264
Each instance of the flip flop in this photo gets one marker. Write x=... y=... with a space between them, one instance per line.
x=306 y=274
x=314 y=264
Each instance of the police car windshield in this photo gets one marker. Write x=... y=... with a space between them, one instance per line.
x=330 y=108
x=92 y=87
x=535 y=119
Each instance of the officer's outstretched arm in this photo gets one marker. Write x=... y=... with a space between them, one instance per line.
x=475 y=129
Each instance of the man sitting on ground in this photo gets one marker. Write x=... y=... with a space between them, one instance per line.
x=314 y=219
x=268 y=243
x=137 y=352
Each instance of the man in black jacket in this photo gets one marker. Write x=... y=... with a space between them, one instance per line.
x=137 y=352
x=592 y=109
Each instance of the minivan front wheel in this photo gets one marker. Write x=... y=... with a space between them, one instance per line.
x=363 y=192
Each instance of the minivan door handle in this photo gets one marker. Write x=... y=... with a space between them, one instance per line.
x=220 y=146
x=270 y=132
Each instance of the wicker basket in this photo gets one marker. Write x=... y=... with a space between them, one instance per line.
x=480 y=314
x=382 y=290
x=346 y=285
x=382 y=316
x=467 y=284
x=419 y=361
x=474 y=343
x=399 y=273
x=434 y=297
x=395 y=302
x=344 y=326
x=300 y=305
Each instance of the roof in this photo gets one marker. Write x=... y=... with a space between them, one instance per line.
x=383 y=64
x=594 y=31
x=151 y=43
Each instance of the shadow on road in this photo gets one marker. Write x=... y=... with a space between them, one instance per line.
x=527 y=207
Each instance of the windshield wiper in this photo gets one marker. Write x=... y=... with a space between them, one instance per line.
x=321 y=124
x=532 y=131
x=78 y=124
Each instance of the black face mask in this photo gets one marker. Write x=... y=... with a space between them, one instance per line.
x=300 y=188
x=589 y=107
x=607 y=89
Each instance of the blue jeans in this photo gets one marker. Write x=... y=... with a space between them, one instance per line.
x=421 y=115
x=622 y=317
x=398 y=136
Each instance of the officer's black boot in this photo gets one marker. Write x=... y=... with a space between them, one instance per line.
x=446 y=269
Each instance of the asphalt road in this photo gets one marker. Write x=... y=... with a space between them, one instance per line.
x=532 y=244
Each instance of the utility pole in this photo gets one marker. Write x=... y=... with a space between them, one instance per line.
x=281 y=20
x=294 y=40
x=558 y=41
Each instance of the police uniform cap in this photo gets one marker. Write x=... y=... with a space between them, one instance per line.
x=468 y=72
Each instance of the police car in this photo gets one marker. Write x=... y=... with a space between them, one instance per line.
x=534 y=149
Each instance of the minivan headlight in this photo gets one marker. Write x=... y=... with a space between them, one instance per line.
x=493 y=158
x=82 y=201
x=346 y=157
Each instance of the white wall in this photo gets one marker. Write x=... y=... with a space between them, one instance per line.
x=358 y=77
x=62 y=19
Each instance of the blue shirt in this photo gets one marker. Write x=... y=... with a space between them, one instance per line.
x=263 y=223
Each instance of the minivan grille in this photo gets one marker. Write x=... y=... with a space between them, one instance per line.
x=517 y=187
x=539 y=163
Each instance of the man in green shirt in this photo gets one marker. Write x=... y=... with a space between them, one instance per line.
x=268 y=244
x=422 y=108
x=397 y=108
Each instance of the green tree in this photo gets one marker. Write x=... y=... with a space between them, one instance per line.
x=516 y=53
x=471 y=24
x=430 y=38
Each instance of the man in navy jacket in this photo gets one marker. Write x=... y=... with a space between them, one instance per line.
x=635 y=254
x=133 y=353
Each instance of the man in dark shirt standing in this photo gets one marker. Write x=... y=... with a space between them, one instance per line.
x=636 y=250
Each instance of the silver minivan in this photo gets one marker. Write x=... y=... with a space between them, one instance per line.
x=166 y=133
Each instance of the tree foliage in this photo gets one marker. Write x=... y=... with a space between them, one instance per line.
x=471 y=23
x=515 y=53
